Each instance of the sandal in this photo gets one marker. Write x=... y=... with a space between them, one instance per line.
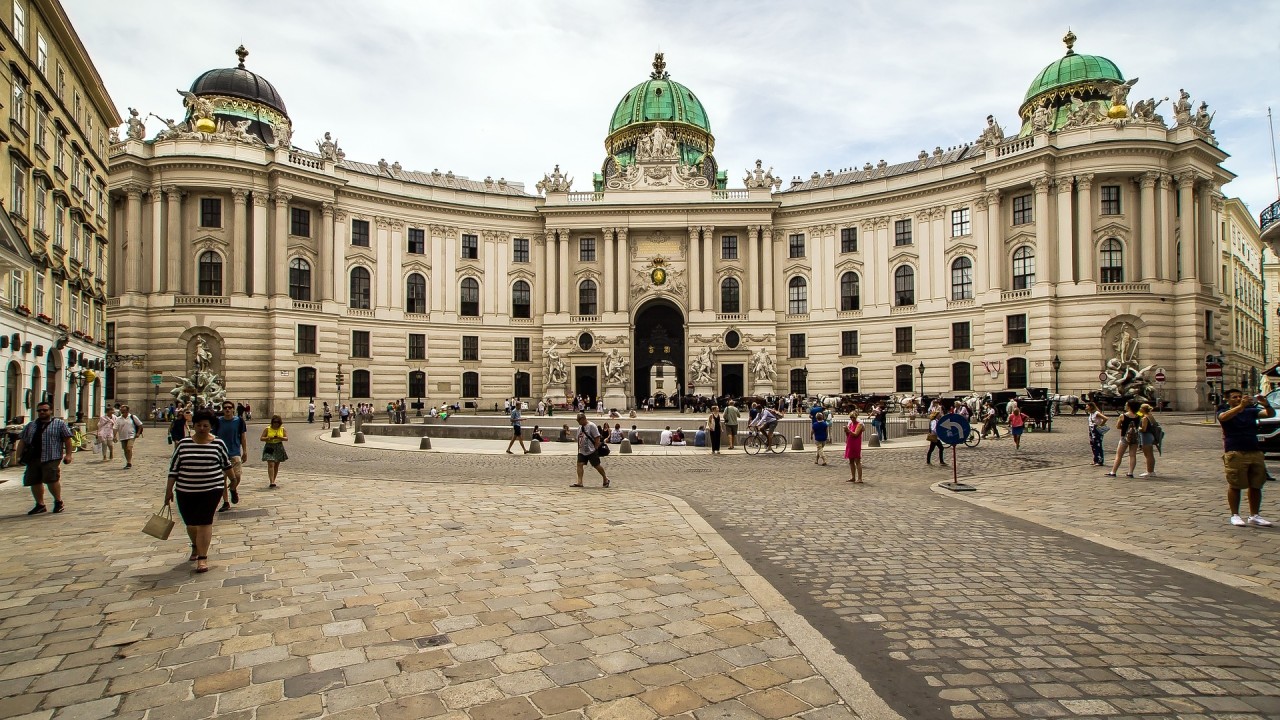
x=576 y=485
x=194 y=554
x=1110 y=474
x=202 y=564
x=606 y=482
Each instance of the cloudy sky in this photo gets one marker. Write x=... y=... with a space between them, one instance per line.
x=509 y=89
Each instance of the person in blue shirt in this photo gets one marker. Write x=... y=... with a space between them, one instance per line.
x=1242 y=458
x=231 y=430
x=821 y=434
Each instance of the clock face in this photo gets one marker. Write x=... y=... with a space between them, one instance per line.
x=658 y=275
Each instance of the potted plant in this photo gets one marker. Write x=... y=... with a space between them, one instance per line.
x=23 y=310
x=44 y=318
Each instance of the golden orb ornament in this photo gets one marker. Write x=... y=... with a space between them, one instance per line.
x=1116 y=112
x=205 y=125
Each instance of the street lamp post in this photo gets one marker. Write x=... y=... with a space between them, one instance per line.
x=920 y=370
x=1057 y=365
x=339 y=380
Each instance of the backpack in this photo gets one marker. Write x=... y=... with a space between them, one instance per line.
x=137 y=424
x=1157 y=432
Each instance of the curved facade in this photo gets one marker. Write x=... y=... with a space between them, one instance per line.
x=973 y=268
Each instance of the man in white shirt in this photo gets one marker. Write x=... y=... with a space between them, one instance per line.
x=128 y=428
x=665 y=437
x=589 y=441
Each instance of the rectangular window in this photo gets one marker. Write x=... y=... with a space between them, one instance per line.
x=797 y=345
x=1110 y=199
x=1015 y=329
x=42 y=55
x=360 y=383
x=300 y=224
x=796 y=246
x=307 y=339
x=520 y=250
x=1208 y=326
x=961 y=377
x=902 y=340
x=41 y=207
x=57 y=297
x=60 y=151
x=417 y=346
x=360 y=343
x=59 y=222
x=849 y=380
x=729 y=247
x=961 y=336
x=471 y=347
x=62 y=82
x=111 y=337
x=960 y=222
x=42 y=130
x=520 y=350
x=37 y=292
x=417 y=241
x=19 y=189
x=306 y=382
x=902 y=232
x=848 y=240
x=1022 y=210
x=211 y=212
x=19 y=110
x=848 y=342
x=470 y=247
x=20 y=24
x=360 y=233
x=586 y=249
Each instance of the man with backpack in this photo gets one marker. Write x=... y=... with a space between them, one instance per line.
x=128 y=429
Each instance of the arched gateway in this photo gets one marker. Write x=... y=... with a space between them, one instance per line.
x=658 y=342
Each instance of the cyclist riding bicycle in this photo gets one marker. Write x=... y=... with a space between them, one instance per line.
x=764 y=421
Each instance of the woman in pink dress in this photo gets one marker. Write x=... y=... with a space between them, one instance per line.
x=853 y=447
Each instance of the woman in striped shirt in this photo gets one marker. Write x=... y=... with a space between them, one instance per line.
x=197 y=472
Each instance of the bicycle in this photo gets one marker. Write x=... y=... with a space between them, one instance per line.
x=79 y=439
x=975 y=437
x=755 y=443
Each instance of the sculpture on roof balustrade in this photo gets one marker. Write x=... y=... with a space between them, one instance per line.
x=554 y=182
x=329 y=149
x=761 y=178
x=992 y=134
x=136 y=130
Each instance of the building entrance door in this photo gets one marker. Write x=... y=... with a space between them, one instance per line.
x=586 y=384
x=658 y=341
x=731 y=375
x=13 y=386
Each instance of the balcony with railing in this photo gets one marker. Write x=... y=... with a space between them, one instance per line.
x=306 y=305
x=1008 y=295
x=187 y=300
x=584 y=319
x=1115 y=288
x=359 y=312
x=731 y=317
x=1269 y=223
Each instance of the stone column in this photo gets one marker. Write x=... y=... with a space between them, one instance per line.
x=624 y=271
x=610 y=271
x=154 y=245
x=489 y=258
x=1168 y=237
x=828 y=267
x=995 y=240
x=693 y=260
x=449 y=279
x=277 y=257
x=546 y=269
x=708 y=267
x=767 y=269
x=929 y=254
x=981 y=268
x=1147 y=258
x=238 y=262
x=1084 y=227
x=563 y=273
x=324 y=271
x=341 y=281
x=387 y=277
x=1044 y=250
x=259 y=243
x=1064 y=241
x=750 y=297
x=501 y=282
x=175 y=256
x=132 y=250
x=1210 y=274
x=439 y=281
x=813 y=253
x=1187 y=225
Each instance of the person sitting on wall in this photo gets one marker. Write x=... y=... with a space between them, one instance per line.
x=700 y=437
x=634 y=436
x=564 y=434
x=677 y=437
x=537 y=434
x=615 y=435
x=665 y=437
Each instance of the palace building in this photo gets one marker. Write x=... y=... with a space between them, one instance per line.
x=1022 y=259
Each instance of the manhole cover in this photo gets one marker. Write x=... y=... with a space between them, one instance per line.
x=433 y=641
x=518 y=562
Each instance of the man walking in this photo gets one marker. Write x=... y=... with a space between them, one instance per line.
x=589 y=440
x=231 y=430
x=42 y=444
x=731 y=413
x=311 y=410
x=1242 y=458
x=517 y=432
x=128 y=428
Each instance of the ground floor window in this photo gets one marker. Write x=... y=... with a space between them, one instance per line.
x=961 y=376
x=849 y=380
x=902 y=381
x=523 y=387
x=360 y=384
x=417 y=384
x=799 y=381
x=306 y=382
x=471 y=384
x=1017 y=373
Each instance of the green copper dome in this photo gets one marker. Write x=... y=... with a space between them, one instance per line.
x=659 y=99
x=1073 y=69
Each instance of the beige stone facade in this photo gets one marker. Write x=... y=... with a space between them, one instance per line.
x=57 y=116
x=1244 y=290
x=969 y=269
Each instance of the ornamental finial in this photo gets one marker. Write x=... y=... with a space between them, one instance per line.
x=1070 y=40
x=659 y=68
x=242 y=54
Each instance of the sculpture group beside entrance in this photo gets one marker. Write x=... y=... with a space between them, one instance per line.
x=1123 y=378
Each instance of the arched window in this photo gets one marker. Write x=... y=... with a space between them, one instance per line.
x=961 y=376
x=520 y=300
x=962 y=279
x=469 y=305
x=799 y=381
x=522 y=387
x=903 y=378
x=904 y=286
x=587 y=298
x=849 y=380
x=1111 y=257
x=1024 y=268
x=1016 y=374
x=730 y=296
x=306 y=382
x=299 y=279
x=210 y=273
x=850 y=292
x=797 y=296
x=470 y=384
x=360 y=384
x=415 y=294
x=360 y=288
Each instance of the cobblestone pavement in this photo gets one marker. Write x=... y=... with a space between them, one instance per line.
x=948 y=608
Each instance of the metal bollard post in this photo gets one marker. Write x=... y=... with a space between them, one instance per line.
x=873 y=439
x=797 y=443
x=342 y=427
x=359 y=438
x=336 y=433
x=625 y=447
x=425 y=443
x=535 y=447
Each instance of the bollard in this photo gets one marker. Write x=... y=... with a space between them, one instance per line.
x=797 y=443
x=359 y=438
x=625 y=447
x=336 y=433
x=873 y=439
x=535 y=447
x=342 y=427
x=425 y=443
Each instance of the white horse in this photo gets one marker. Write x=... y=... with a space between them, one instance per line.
x=1072 y=401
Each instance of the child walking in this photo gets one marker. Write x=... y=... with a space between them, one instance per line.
x=821 y=432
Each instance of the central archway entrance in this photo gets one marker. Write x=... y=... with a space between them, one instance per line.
x=658 y=347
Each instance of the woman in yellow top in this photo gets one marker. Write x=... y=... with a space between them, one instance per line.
x=273 y=438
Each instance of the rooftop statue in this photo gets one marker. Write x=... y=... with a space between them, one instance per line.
x=329 y=149
x=992 y=135
x=136 y=130
x=1182 y=109
x=1145 y=111
x=761 y=178
x=1041 y=119
x=658 y=145
x=555 y=182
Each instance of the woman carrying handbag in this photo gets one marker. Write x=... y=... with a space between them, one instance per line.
x=198 y=471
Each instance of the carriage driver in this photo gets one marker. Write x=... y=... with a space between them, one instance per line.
x=766 y=421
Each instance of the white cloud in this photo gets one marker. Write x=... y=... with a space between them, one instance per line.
x=510 y=88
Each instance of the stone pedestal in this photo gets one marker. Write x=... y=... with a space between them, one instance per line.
x=762 y=388
x=707 y=390
x=615 y=398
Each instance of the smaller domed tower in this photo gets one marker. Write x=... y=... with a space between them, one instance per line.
x=235 y=95
x=1088 y=78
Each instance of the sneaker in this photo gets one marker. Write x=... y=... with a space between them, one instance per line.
x=1145 y=474
x=59 y=506
x=1256 y=520
x=1238 y=521
x=235 y=497
x=225 y=507
x=37 y=510
x=128 y=465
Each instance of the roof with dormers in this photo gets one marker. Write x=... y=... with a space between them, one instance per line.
x=853 y=176
x=438 y=179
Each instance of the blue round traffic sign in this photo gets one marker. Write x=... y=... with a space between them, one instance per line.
x=952 y=429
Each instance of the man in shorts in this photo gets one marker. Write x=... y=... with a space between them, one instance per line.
x=589 y=439
x=517 y=432
x=731 y=413
x=1242 y=458
x=44 y=443
x=231 y=430
x=128 y=428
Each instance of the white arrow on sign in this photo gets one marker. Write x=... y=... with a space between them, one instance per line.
x=952 y=427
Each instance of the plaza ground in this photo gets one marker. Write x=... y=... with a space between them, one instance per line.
x=383 y=583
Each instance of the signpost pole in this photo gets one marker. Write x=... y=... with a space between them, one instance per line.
x=954 y=429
